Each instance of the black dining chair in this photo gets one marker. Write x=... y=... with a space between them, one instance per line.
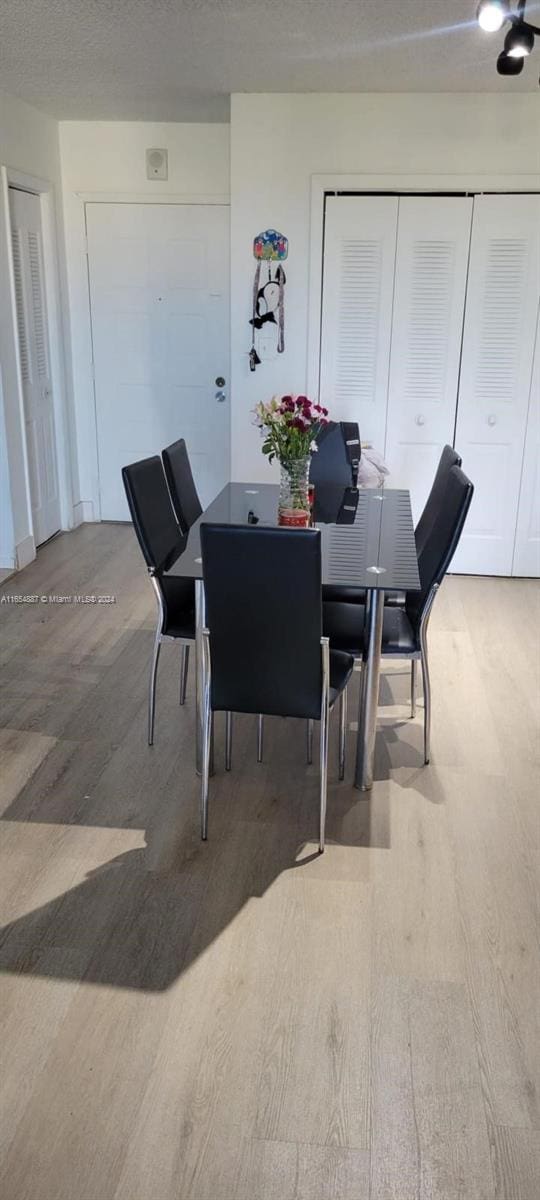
x=449 y=458
x=337 y=458
x=185 y=499
x=161 y=543
x=405 y=628
x=263 y=647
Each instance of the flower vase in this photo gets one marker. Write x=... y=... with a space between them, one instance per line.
x=294 y=492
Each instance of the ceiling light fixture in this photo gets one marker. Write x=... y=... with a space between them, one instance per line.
x=491 y=14
x=519 y=41
x=509 y=66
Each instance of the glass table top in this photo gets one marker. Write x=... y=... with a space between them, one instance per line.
x=367 y=534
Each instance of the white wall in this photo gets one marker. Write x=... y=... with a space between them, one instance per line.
x=106 y=160
x=29 y=144
x=279 y=142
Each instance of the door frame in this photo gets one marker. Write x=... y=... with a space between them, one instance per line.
x=399 y=184
x=177 y=200
x=24 y=550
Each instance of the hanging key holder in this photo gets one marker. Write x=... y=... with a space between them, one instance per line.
x=268 y=299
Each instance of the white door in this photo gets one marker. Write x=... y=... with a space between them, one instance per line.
x=498 y=346
x=359 y=258
x=159 y=286
x=429 y=296
x=527 y=544
x=25 y=212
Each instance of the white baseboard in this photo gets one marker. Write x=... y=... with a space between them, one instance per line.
x=83 y=512
x=25 y=552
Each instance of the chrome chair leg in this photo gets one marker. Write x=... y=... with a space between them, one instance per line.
x=324 y=741
x=414 y=665
x=342 y=732
x=206 y=734
x=152 y=687
x=425 y=670
x=309 y=741
x=184 y=668
x=228 y=740
x=427 y=701
x=260 y=737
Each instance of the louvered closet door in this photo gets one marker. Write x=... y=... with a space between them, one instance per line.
x=498 y=347
x=527 y=544
x=429 y=295
x=359 y=258
x=25 y=210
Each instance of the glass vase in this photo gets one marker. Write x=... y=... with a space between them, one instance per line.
x=294 y=492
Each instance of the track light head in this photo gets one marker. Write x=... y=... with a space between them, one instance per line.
x=519 y=41
x=509 y=66
x=491 y=14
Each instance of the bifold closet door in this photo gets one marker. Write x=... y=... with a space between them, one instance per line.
x=359 y=259
x=33 y=330
x=427 y=325
x=527 y=544
x=498 y=347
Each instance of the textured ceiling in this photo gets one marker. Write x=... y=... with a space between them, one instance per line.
x=180 y=59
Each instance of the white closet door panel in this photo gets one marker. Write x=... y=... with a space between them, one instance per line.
x=429 y=294
x=359 y=261
x=498 y=346
x=25 y=213
x=527 y=544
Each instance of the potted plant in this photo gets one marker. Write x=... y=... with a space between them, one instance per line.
x=290 y=425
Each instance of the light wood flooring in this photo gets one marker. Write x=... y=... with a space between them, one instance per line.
x=246 y=1020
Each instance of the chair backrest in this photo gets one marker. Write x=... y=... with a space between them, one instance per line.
x=331 y=463
x=151 y=510
x=449 y=458
x=264 y=613
x=441 y=542
x=186 y=503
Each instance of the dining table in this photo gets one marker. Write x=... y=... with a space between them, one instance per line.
x=367 y=542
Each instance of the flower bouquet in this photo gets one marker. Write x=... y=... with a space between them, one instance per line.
x=290 y=425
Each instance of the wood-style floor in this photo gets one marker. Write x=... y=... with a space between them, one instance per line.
x=246 y=1020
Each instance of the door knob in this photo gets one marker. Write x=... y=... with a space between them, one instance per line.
x=420 y=420
x=492 y=420
x=221 y=396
